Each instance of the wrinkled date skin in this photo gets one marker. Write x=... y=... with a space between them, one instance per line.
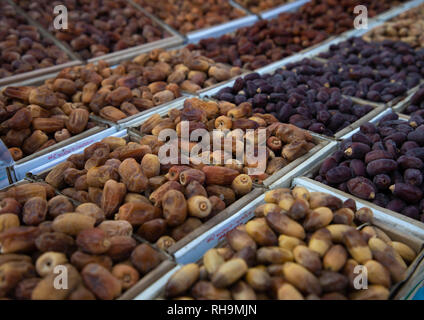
x=112 y=196
x=407 y=192
x=59 y=205
x=101 y=282
x=133 y=176
x=77 y=121
x=36 y=118
x=338 y=174
x=55 y=241
x=18 y=239
x=93 y=241
x=80 y=259
x=116 y=228
x=34 y=211
x=137 y=213
x=174 y=207
x=121 y=247
x=362 y=188
x=170 y=200
x=381 y=166
x=145 y=258
x=152 y=230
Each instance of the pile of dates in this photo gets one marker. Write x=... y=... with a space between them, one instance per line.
x=293 y=98
x=166 y=201
x=149 y=80
x=271 y=40
x=97 y=27
x=377 y=71
x=127 y=183
x=407 y=27
x=229 y=123
x=257 y=6
x=41 y=232
x=35 y=118
x=382 y=164
x=191 y=15
x=338 y=16
x=190 y=71
x=415 y=105
x=22 y=47
x=265 y=42
x=300 y=246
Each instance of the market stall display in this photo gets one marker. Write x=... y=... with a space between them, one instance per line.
x=300 y=246
x=219 y=149
x=271 y=40
x=166 y=201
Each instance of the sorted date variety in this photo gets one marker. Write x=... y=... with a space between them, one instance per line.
x=97 y=27
x=285 y=143
x=375 y=71
x=382 y=164
x=129 y=184
x=40 y=231
x=35 y=118
x=271 y=40
x=261 y=44
x=294 y=96
x=166 y=201
x=300 y=246
x=191 y=15
x=22 y=47
x=407 y=27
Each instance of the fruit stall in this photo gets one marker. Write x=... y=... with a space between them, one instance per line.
x=105 y=172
